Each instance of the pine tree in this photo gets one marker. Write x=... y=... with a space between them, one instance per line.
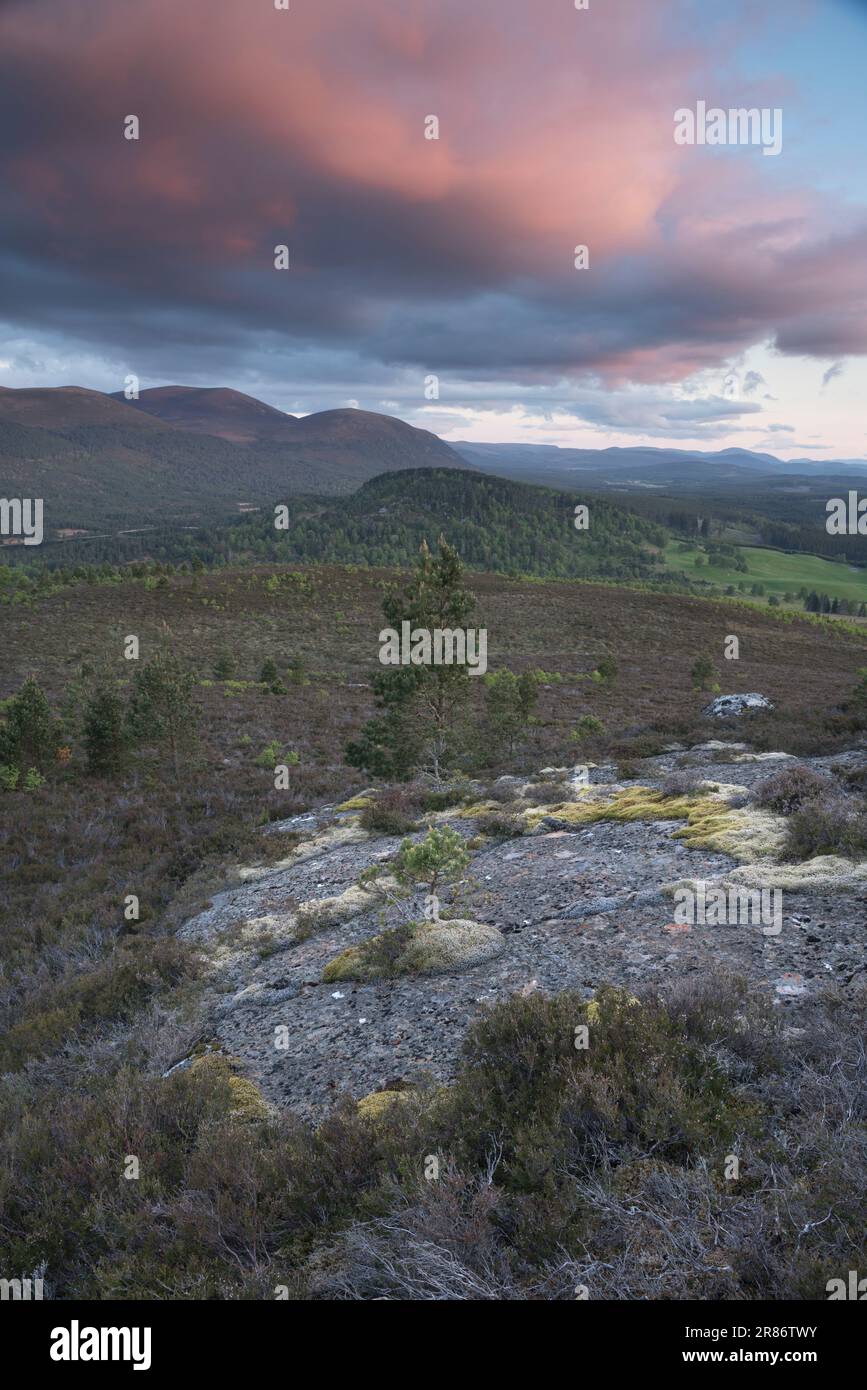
x=509 y=703
x=162 y=706
x=703 y=673
x=104 y=729
x=423 y=710
x=31 y=735
x=224 y=666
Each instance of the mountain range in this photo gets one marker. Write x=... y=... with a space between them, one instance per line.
x=186 y=455
x=647 y=467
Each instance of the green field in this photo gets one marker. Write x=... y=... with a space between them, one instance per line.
x=779 y=573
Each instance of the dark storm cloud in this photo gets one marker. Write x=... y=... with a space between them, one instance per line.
x=260 y=128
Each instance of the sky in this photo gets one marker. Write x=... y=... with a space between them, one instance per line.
x=725 y=299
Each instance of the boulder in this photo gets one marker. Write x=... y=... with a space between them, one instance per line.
x=724 y=706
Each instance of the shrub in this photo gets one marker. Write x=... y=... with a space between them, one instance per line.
x=417 y=948
x=224 y=666
x=704 y=674
x=859 y=693
x=391 y=812
x=832 y=824
x=509 y=704
x=606 y=671
x=9 y=777
x=855 y=778
x=681 y=782
x=588 y=727
x=557 y=1166
x=378 y=958
x=442 y=800
x=442 y=855
x=501 y=825
x=162 y=708
x=270 y=755
x=790 y=788
x=104 y=730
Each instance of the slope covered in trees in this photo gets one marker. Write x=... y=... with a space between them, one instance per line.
x=496 y=525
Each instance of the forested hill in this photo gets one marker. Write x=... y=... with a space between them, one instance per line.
x=106 y=463
x=495 y=525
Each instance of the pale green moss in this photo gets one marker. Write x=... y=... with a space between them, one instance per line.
x=378 y=1103
x=826 y=871
x=614 y=999
x=478 y=808
x=417 y=948
x=317 y=914
x=247 y=1101
x=625 y=804
x=332 y=837
x=744 y=833
x=355 y=803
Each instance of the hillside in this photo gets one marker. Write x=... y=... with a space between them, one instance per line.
x=183 y=456
x=254 y=897
x=212 y=410
x=68 y=408
x=497 y=525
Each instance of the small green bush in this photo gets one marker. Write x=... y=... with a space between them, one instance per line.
x=588 y=727
x=704 y=674
x=9 y=777
x=441 y=856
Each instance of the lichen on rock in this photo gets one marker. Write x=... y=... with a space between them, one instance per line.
x=824 y=872
x=745 y=833
x=417 y=948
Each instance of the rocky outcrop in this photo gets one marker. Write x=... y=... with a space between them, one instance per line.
x=725 y=706
x=320 y=981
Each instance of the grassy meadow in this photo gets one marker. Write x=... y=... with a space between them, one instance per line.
x=780 y=573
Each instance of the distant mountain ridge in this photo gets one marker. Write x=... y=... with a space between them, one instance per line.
x=187 y=454
x=645 y=466
x=183 y=455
